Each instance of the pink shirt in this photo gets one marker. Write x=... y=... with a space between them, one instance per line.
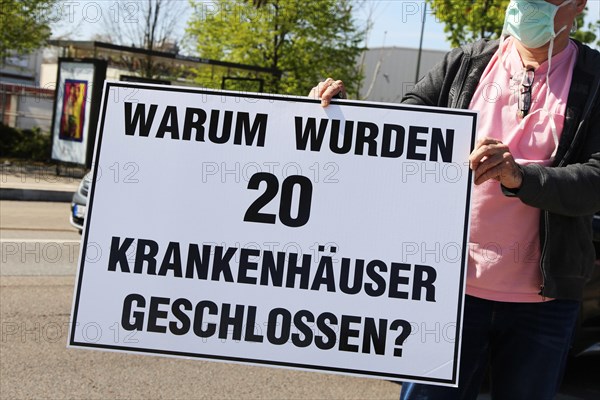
x=504 y=256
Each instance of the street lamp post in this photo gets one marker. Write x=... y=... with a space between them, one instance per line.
x=421 y=42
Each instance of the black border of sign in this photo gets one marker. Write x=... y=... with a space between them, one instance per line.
x=109 y=85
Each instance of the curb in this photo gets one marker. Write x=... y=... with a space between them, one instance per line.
x=36 y=195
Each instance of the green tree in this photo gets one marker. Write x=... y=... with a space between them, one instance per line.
x=587 y=35
x=468 y=20
x=305 y=40
x=24 y=25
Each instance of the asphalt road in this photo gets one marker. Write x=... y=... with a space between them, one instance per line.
x=37 y=275
x=39 y=251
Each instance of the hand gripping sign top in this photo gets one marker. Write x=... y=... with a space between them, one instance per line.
x=269 y=230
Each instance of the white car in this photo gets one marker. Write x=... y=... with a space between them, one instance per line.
x=79 y=202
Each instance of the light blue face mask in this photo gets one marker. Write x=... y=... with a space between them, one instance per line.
x=531 y=22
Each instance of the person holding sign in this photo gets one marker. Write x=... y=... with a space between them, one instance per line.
x=537 y=173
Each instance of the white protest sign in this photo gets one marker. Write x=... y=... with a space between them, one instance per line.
x=269 y=230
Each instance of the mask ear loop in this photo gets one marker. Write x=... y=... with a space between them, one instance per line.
x=548 y=91
x=546 y=109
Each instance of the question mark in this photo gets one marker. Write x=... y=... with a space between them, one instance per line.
x=406 y=330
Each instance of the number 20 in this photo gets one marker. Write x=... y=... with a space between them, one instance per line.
x=253 y=213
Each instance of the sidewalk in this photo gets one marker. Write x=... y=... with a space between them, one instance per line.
x=23 y=181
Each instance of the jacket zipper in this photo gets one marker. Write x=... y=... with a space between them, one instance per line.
x=542 y=255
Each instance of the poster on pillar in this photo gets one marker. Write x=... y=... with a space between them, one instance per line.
x=268 y=230
x=79 y=85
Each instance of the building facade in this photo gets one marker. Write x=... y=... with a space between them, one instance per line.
x=389 y=72
x=27 y=83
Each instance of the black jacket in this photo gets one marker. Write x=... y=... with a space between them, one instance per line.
x=568 y=192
